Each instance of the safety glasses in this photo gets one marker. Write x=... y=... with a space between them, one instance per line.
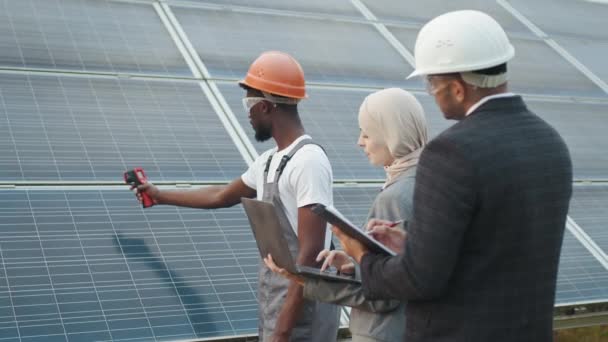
x=249 y=102
x=430 y=87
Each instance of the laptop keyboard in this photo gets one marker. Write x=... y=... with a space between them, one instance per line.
x=331 y=271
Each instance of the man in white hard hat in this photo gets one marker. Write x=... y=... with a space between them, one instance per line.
x=480 y=258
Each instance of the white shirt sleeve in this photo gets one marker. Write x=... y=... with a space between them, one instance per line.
x=250 y=176
x=310 y=177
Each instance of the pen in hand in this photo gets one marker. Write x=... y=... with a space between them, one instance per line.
x=396 y=223
x=391 y=225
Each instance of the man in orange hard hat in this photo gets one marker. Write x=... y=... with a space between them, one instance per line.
x=295 y=175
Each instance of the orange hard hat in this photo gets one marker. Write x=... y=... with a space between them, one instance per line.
x=276 y=73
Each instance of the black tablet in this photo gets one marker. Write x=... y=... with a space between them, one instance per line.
x=334 y=217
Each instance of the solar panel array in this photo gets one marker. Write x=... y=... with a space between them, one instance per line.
x=90 y=88
x=84 y=128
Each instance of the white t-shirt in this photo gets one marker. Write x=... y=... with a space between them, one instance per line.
x=307 y=179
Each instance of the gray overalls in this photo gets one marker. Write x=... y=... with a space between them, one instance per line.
x=318 y=322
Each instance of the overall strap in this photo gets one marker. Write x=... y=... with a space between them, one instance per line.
x=267 y=167
x=287 y=157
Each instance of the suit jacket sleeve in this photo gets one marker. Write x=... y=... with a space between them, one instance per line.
x=444 y=205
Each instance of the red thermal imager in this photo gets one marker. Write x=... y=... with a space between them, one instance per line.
x=137 y=177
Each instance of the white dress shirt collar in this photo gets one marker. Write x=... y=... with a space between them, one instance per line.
x=486 y=99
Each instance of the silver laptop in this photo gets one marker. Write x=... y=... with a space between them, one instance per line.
x=270 y=240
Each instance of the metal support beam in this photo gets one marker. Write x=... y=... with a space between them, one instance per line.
x=200 y=71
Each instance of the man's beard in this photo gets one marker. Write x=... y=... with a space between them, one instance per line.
x=262 y=134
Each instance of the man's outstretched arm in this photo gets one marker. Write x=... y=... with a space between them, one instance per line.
x=211 y=197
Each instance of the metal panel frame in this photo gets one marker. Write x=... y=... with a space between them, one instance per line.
x=237 y=133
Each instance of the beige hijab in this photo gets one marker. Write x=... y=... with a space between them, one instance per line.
x=396 y=118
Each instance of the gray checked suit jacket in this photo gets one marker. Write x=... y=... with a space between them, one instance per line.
x=481 y=257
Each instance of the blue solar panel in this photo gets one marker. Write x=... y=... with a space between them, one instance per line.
x=589 y=52
x=84 y=265
x=81 y=128
x=329 y=51
x=559 y=20
x=563 y=17
x=355 y=202
x=581 y=277
x=87 y=35
x=589 y=209
x=91 y=265
x=419 y=13
x=335 y=7
x=583 y=128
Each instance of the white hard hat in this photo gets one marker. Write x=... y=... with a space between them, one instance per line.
x=461 y=41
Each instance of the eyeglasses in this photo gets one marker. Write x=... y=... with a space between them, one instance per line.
x=431 y=88
x=249 y=102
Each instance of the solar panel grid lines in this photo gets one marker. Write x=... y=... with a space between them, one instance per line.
x=70 y=35
x=581 y=278
x=5 y=291
x=48 y=274
x=588 y=210
x=79 y=265
x=181 y=40
x=125 y=252
x=171 y=137
x=397 y=45
x=560 y=18
x=553 y=44
x=396 y=11
x=93 y=77
x=581 y=125
x=229 y=121
x=224 y=279
x=227 y=117
x=342 y=10
x=242 y=272
x=77 y=128
x=227 y=58
x=130 y=246
x=95 y=289
x=354 y=202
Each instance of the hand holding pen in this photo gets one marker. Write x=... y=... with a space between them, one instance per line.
x=386 y=233
x=377 y=222
x=396 y=223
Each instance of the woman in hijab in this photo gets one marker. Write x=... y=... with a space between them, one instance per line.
x=393 y=133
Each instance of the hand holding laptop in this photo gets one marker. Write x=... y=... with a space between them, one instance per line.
x=276 y=269
x=269 y=237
